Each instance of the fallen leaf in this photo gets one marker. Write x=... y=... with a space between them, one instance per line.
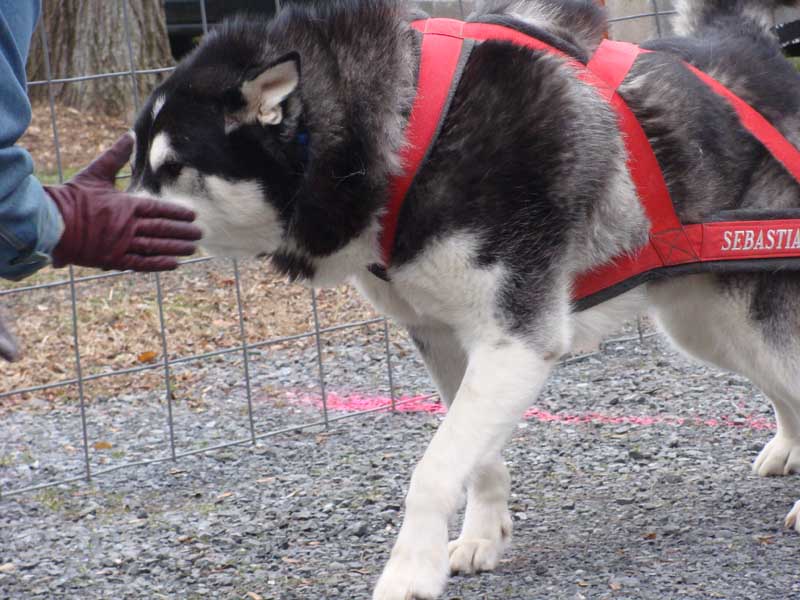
x=8 y=568
x=615 y=585
x=146 y=357
x=583 y=583
x=650 y=536
x=254 y=596
x=102 y=445
x=766 y=539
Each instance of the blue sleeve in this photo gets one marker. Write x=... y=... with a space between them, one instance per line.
x=30 y=224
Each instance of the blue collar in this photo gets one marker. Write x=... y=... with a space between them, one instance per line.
x=303 y=139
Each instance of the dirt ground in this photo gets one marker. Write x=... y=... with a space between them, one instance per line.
x=82 y=136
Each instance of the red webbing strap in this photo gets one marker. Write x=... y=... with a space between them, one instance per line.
x=611 y=63
x=668 y=244
x=441 y=50
x=783 y=151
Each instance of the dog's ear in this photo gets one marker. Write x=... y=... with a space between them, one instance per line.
x=265 y=89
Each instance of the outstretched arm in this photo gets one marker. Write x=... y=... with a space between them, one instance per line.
x=30 y=224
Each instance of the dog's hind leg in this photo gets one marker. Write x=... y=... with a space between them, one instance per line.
x=486 y=532
x=749 y=324
x=444 y=358
x=793 y=518
x=781 y=455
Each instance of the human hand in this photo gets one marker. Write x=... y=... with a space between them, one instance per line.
x=109 y=229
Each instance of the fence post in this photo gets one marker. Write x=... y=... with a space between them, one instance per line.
x=245 y=350
x=159 y=291
x=318 y=338
x=72 y=290
x=389 y=372
x=657 y=17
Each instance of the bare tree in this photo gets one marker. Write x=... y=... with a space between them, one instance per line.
x=87 y=37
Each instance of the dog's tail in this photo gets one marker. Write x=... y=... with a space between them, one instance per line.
x=696 y=15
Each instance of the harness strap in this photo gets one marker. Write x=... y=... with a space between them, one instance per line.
x=783 y=151
x=445 y=47
x=668 y=244
x=439 y=73
x=672 y=243
x=442 y=61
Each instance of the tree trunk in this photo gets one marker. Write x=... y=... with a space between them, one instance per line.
x=89 y=37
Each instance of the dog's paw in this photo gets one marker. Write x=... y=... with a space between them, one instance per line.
x=413 y=574
x=793 y=518
x=469 y=556
x=781 y=456
x=486 y=535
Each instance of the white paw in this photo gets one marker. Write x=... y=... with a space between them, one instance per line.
x=413 y=574
x=781 y=456
x=479 y=548
x=474 y=556
x=793 y=518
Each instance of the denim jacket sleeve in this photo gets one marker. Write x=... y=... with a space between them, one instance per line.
x=30 y=224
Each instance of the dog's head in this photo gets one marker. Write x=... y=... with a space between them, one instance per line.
x=224 y=135
x=282 y=134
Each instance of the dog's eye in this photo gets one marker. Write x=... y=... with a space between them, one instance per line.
x=170 y=169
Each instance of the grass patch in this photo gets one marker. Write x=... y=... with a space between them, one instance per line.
x=51 y=499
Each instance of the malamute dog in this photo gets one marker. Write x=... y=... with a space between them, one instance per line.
x=284 y=135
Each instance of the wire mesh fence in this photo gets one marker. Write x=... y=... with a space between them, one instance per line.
x=79 y=289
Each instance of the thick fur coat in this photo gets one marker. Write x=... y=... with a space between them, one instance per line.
x=283 y=136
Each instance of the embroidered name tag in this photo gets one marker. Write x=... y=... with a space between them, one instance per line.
x=737 y=240
x=744 y=240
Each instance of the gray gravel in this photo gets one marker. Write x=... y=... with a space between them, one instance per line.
x=601 y=510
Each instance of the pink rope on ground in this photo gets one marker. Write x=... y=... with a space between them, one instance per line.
x=414 y=404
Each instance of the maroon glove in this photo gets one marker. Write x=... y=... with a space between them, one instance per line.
x=109 y=229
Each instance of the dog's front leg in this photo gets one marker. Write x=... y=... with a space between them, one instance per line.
x=487 y=522
x=501 y=379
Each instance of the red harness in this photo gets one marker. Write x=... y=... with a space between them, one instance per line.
x=671 y=243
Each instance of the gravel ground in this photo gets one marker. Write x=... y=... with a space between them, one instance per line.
x=646 y=493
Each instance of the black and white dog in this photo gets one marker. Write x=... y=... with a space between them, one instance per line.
x=283 y=135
